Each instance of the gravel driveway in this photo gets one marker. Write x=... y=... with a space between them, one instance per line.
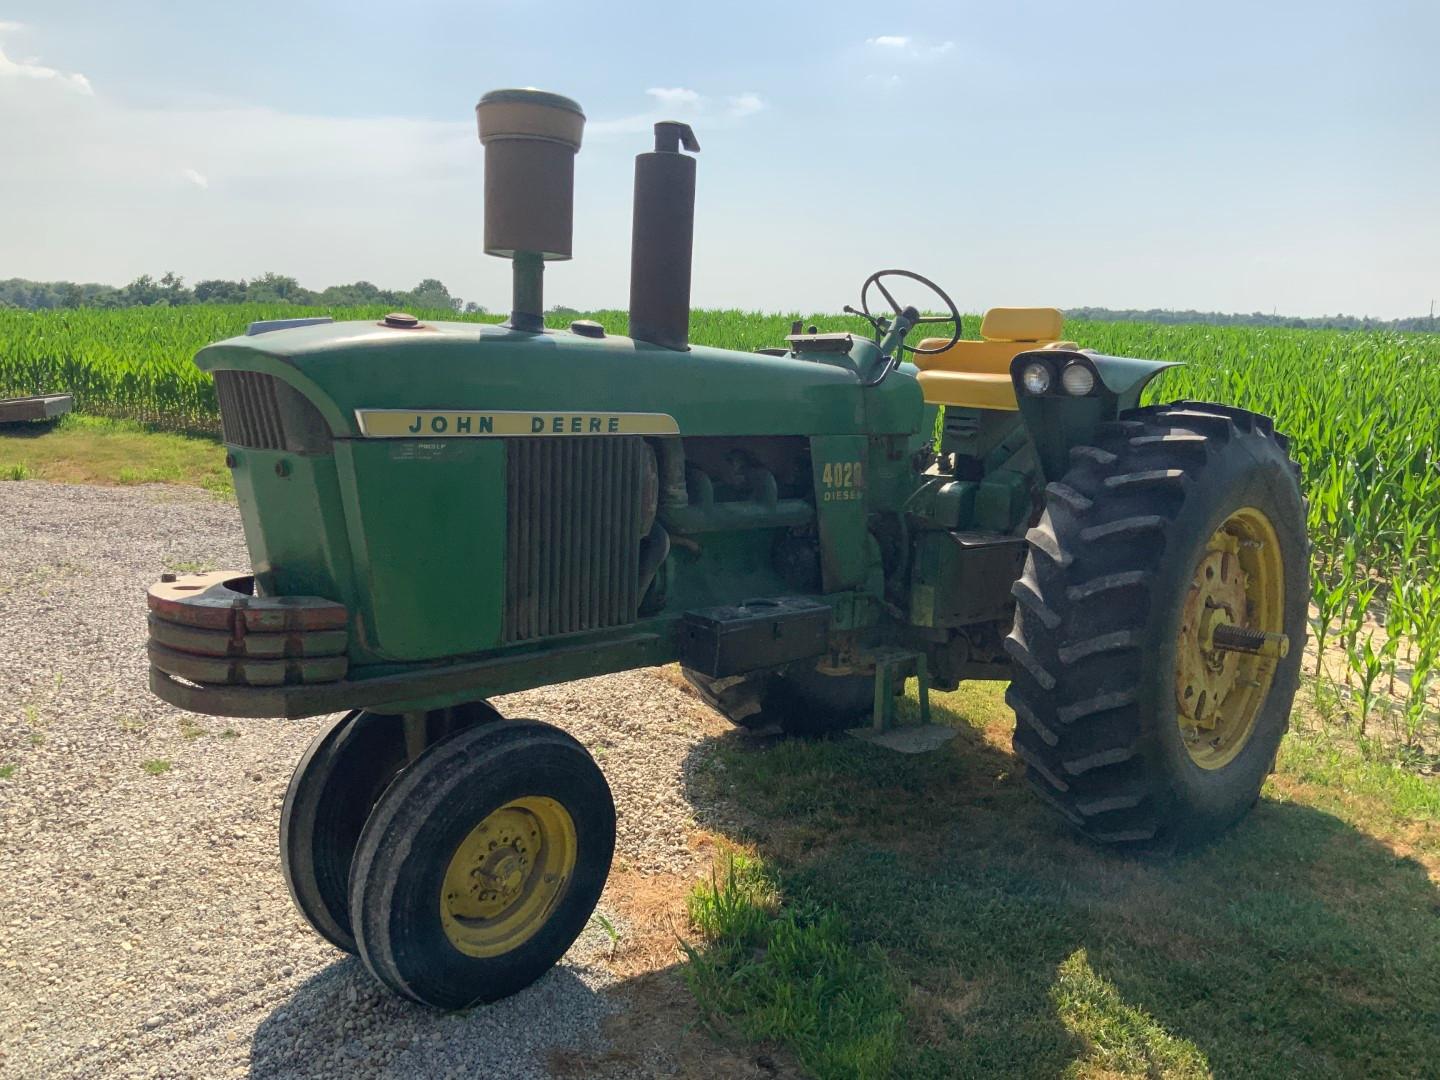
x=145 y=929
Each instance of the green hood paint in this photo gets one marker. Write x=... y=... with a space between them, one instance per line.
x=342 y=367
x=408 y=533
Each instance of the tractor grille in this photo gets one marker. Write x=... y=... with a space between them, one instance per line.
x=573 y=534
x=261 y=412
x=250 y=409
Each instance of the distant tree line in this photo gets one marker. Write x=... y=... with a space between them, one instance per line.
x=170 y=290
x=1256 y=318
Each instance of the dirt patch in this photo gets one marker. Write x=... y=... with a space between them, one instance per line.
x=650 y=909
x=656 y=1028
x=930 y=1010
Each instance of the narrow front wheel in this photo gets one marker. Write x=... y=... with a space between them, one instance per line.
x=331 y=793
x=481 y=864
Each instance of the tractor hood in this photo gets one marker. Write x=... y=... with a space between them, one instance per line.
x=351 y=371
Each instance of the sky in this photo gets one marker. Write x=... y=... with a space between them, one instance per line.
x=1231 y=156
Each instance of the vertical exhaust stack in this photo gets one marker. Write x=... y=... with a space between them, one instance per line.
x=662 y=239
x=530 y=139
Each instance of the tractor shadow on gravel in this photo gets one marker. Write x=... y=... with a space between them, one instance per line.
x=1295 y=944
x=340 y=1022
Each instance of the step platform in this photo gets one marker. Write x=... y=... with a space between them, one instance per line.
x=908 y=738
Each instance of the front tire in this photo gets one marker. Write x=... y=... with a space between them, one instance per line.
x=335 y=785
x=1131 y=722
x=481 y=864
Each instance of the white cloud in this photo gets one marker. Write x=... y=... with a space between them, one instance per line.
x=900 y=46
x=196 y=178
x=30 y=68
x=747 y=104
x=10 y=27
x=675 y=96
x=691 y=104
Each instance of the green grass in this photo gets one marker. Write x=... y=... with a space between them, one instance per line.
x=1119 y=1037
x=792 y=975
x=190 y=566
x=98 y=450
x=155 y=766
x=1304 y=942
x=6 y=772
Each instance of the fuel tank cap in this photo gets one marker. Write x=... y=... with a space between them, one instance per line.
x=587 y=328
x=401 y=320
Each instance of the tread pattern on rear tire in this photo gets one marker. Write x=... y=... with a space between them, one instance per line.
x=1080 y=641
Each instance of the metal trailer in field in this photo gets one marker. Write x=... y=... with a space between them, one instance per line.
x=40 y=407
x=440 y=512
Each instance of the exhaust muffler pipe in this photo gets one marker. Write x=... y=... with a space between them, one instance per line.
x=531 y=138
x=663 y=238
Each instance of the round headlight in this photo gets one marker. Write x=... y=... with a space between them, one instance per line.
x=1077 y=379
x=1036 y=377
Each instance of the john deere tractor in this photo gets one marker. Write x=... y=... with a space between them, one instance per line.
x=440 y=512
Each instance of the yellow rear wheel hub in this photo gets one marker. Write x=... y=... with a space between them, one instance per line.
x=1237 y=582
x=507 y=875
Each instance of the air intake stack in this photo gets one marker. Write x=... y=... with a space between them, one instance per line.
x=662 y=238
x=530 y=139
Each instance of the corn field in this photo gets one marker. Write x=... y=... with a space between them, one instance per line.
x=1362 y=410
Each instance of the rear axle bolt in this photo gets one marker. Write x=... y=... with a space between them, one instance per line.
x=1256 y=642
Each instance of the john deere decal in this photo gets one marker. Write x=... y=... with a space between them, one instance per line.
x=426 y=423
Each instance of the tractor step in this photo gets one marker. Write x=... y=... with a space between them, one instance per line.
x=891 y=664
x=911 y=739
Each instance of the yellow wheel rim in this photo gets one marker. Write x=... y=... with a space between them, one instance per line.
x=507 y=875
x=1238 y=582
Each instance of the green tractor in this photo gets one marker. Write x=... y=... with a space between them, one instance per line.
x=441 y=512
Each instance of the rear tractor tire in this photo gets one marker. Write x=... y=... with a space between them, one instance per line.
x=1159 y=625
x=481 y=863
x=798 y=700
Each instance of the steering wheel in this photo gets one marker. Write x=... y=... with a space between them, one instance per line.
x=875 y=280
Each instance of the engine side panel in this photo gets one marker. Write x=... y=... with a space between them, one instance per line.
x=426 y=524
x=839 y=464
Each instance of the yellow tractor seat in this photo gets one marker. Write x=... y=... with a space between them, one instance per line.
x=976 y=374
